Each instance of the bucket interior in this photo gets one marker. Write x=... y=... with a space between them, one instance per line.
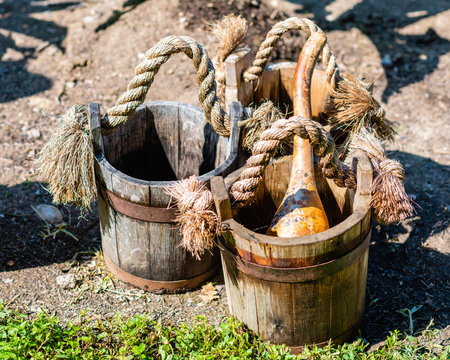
x=257 y=217
x=164 y=141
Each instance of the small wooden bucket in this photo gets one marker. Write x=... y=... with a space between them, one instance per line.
x=162 y=143
x=299 y=290
x=276 y=84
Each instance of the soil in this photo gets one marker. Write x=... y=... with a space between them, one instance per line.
x=54 y=53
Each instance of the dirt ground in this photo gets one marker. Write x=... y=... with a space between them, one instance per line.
x=55 y=53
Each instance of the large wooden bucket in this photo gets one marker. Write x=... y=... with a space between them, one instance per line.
x=162 y=143
x=300 y=290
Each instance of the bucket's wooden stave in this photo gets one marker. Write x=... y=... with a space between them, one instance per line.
x=162 y=143
x=303 y=290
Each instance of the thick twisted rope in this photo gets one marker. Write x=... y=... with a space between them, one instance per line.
x=270 y=140
x=66 y=161
x=138 y=87
x=389 y=199
x=200 y=224
x=272 y=37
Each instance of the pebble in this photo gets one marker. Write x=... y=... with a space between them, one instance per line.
x=8 y=281
x=88 y=19
x=12 y=55
x=34 y=133
x=66 y=281
x=49 y=213
x=36 y=309
x=386 y=60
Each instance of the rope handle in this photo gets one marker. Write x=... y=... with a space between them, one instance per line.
x=138 y=87
x=266 y=48
x=243 y=190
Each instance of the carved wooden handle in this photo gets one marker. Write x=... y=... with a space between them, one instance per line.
x=301 y=211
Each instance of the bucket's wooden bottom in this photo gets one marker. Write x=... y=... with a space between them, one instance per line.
x=152 y=285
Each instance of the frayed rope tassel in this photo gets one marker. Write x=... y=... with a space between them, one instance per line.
x=389 y=200
x=199 y=224
x=66 y=162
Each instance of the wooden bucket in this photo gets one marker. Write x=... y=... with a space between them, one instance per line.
x=276 y=84
x=299 y=290
x=162 y=143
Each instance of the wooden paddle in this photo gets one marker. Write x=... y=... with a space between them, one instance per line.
x=301 y=212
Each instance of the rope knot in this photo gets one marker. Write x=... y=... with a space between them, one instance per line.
x=198 y=222
x=393 y=167
x=389 y=199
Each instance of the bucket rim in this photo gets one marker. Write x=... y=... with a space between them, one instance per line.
x=232 y=151
x=360 y=217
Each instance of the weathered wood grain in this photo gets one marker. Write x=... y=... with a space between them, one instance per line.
x=164 y=141
x=301 y=290
x=276 y=84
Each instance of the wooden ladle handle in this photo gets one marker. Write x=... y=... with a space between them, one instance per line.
x=303 y=74
x=301 y=211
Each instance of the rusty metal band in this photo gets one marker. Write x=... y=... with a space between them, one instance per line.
x=294 y=275
x=345 y=336
x=152 y=285
x=139 y=211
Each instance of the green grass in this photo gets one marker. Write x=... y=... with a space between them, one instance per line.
x=45 y=337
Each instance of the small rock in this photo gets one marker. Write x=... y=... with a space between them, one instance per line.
x=386 y=60
x=423 y=57
x=43 y=46
x=41 y=102
x=88 y=19
x=10 y=263
x=36 y=309
x=12 y=55
x=66 y=281
x=8 y=281
x=429 y=37
x=49 y=213
x=34 y=133
x=182 y=20
x=52 y=50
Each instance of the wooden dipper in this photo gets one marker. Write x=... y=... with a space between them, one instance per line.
x=301 y=212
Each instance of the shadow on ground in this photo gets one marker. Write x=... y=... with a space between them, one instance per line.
x=17 y=17
x=406 y=58
x=24 y=238
x=406 y=270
